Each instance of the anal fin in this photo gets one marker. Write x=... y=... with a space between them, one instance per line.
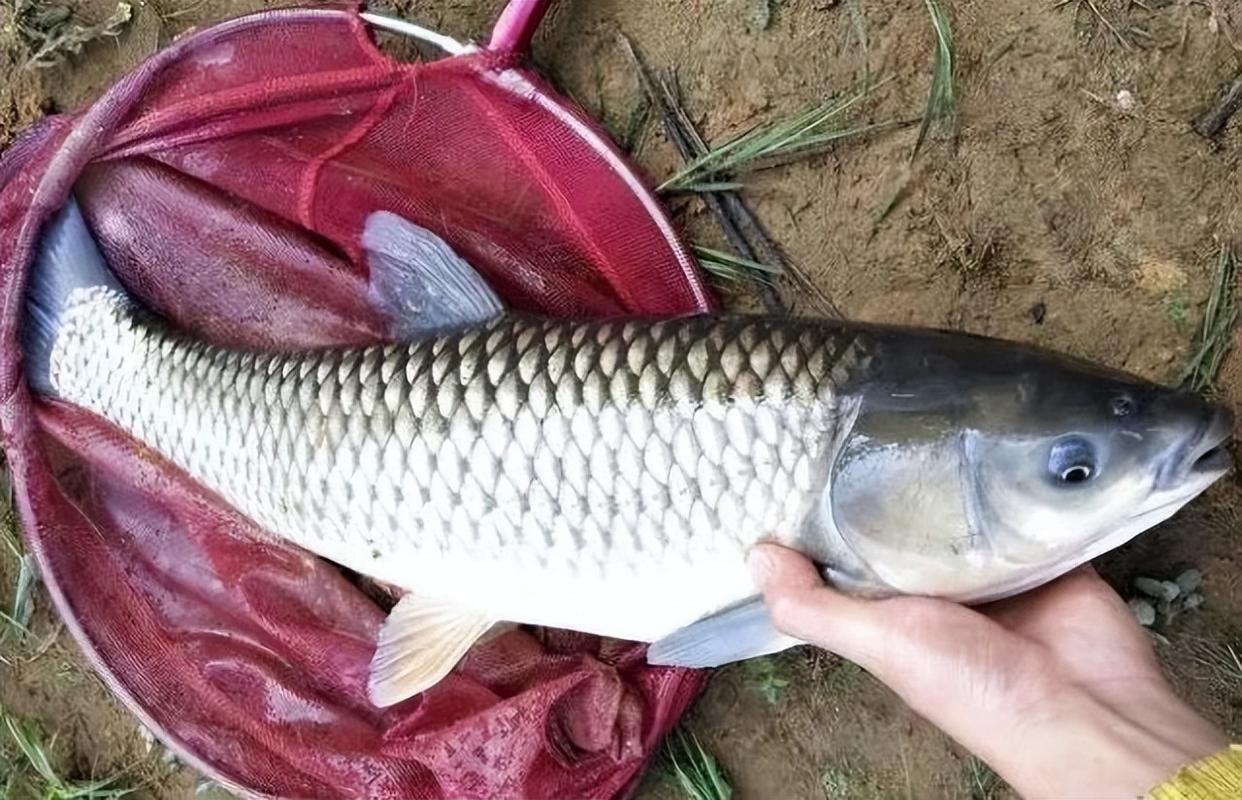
x=420 y=642
x=735 y=634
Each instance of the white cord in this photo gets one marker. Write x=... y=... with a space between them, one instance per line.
x=445 y=43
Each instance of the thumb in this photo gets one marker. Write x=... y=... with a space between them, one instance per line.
x=948 y=662
x=781 y=571
x=803 y=606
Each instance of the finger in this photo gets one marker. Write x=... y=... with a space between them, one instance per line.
x=803 y=606
x=885 y=637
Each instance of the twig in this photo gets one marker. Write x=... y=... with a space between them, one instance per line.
x=751 y=229
x=773 y=253
x=690 y=145
x=1111 y=27
x=1090 y=5
x=1213 y=121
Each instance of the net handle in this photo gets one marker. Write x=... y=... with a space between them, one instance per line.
x=517 y=24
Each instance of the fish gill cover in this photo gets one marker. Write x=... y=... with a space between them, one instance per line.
x=228 y=179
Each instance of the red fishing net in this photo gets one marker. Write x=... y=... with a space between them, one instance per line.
x=227 y=179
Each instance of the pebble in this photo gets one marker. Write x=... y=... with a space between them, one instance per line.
x=1143 y=611
x=1162 y=590
x=1189 y=581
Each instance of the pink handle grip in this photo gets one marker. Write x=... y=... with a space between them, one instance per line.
x=517 y=25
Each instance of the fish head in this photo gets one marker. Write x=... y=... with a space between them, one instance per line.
x=1000 y=467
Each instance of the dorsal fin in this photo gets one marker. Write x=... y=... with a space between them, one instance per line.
x=419 y=281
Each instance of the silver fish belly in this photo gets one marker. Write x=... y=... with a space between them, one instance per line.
x=598 y=476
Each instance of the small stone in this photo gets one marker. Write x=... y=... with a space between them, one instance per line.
x=1143 y=611
x=1161 y=590
x=761 y=14
x=1189 y=581
x=1159 y=278
x=1193 y=601
x=1126 y=100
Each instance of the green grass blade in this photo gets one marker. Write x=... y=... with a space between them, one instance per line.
x=23 y=593
x=818 y=143
x=29 y=741
x=1215 y=336
x=732 y=268
x=812 y=126
x=13 y=626
x=696 y=770
x=8 y=531
x=19 y=609
x=942 y=98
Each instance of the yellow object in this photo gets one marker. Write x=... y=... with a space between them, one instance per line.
x=1218 y=777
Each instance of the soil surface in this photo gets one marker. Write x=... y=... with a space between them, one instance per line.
x=1069 y=203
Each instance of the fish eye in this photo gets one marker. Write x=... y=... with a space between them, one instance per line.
x=1122 y=405
x=1072 y=461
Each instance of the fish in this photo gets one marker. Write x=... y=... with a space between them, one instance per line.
x=610 y=475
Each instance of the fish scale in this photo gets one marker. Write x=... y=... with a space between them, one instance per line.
x=553 y=444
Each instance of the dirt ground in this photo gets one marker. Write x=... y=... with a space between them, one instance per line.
x=1069 y=205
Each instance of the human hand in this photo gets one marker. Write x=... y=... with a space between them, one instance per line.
x=1057 y=689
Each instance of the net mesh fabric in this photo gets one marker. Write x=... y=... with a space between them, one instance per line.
x=227 y=180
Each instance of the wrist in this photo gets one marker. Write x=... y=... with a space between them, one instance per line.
x=1076 y=744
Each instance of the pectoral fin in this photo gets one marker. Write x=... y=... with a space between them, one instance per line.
x=735 y=634
x=421 y=641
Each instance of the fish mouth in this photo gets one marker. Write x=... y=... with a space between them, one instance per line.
x=1206 y=456
x=1195 y=466
x=1211 y=453
x=1216 y=460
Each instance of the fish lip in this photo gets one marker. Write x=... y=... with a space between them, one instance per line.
x=1205 y=454
x=1215 y=460
x=1200 y=464
x=1210 y=453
